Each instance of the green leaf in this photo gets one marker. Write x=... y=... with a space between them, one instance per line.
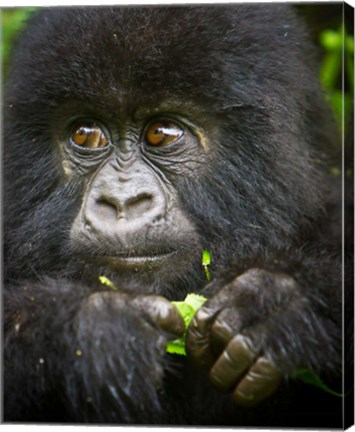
x=331 y=39
x=349 y=44
x=106 y=281
x=195 y=301
x=206 y=258
x=331 y=68
x=12 y=21
x=206 y=261
x=176 y=346
x=187 y=310
x=309 y=377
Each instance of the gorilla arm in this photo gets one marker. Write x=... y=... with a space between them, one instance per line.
x=83 y=347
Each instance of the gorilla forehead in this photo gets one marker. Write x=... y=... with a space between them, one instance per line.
x=130 y=49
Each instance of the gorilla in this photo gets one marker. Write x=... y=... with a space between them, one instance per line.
x=134 y=139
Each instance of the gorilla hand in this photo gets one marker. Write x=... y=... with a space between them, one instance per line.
x=122 y=344
x=246 y=334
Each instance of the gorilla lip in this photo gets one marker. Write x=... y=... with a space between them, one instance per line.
x=137 y=260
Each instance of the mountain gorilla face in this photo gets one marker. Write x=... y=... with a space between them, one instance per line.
x=130 y=217
x=130 y=166
x=135 y=138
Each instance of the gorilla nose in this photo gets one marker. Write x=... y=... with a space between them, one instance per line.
x=116 y=213
x=127 y=209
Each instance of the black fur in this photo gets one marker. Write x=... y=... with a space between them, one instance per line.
x=257 y=198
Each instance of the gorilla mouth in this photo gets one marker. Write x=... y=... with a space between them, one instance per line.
x=130 y=260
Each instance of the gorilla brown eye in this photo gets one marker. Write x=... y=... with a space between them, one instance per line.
x=162 y=133
x=91 y=136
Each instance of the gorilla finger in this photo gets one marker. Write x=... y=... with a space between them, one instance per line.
x=259 y=383
x=227 y=324
x=233 y=363
x=99 y=301
x=198 y=337
x=161 y=312
x=221 y=298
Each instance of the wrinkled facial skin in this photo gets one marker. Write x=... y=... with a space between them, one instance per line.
x=130 y=219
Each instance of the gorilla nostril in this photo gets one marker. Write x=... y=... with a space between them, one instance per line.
x=107 y=209
x=137 y=206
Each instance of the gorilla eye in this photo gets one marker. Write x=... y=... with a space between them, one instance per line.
x=90 y=136
x=162 y=133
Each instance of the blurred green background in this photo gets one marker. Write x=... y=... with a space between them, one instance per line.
x=11 y=22
x=328 y=29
